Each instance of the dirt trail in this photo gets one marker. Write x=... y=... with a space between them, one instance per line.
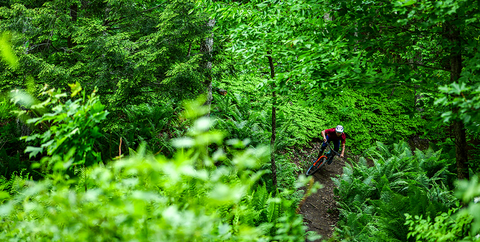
x=320 y=211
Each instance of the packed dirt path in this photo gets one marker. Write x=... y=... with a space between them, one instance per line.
x=319 y=210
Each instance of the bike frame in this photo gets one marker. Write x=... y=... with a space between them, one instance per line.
x=331 y=149
x=314 y=166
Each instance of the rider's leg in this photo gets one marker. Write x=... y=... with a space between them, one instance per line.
x=324 y=145
x=336 y=147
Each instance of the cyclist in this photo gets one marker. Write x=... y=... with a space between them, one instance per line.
x=336 y=135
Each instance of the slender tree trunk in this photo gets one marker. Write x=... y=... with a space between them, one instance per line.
x=189 y=49
x=274 y=124
x=460 y=148
x=207 y=48
x=453 y=35
x=74 y=16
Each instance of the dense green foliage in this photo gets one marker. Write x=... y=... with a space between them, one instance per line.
x=10 y=140
x=68 y=130
x=373 y=199
x=134 y=53
x=456 y=225
x=146 y=197
x=129 y=50
x=400 y=76
x=367 y=115
x=445 y=227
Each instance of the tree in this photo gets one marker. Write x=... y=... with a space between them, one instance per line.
x=417 y=43
x=130 y=50
x=136 y=53
x=283 y=42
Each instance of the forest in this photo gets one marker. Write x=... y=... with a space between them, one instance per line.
x=196 y=120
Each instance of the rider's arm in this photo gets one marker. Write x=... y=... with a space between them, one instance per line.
x=343 y=150
x=323 y=135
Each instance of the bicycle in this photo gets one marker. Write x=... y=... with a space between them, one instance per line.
x=321 y=160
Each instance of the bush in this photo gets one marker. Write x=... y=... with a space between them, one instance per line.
x=66 y=129
x=153 y=198
x=373 y=199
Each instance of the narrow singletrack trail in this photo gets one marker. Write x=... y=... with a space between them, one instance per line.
x=319 y=210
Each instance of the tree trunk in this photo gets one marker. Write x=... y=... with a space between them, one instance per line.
x=274 y=125
x=453 y=35
x=460 y=148
x=207 y=48
x=74 y=16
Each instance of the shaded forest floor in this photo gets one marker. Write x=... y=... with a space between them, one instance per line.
x=319 y=210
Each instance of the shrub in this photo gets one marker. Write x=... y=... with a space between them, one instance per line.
x=153 y=198
x=373 y=199
x=66 y=129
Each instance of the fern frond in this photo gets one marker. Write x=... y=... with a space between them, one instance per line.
x=383 y=149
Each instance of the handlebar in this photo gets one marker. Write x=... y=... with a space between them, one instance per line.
x=328 y=145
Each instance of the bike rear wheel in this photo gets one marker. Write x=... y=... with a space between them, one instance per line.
x=316 y=165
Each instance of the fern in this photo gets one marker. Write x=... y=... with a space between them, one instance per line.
x=260 y=197
x=394 y=185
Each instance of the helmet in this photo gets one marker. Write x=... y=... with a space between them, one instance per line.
x=339 y=129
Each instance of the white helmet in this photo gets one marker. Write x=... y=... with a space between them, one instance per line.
x=339 y=129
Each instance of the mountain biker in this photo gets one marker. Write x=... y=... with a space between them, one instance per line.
x=336 y=135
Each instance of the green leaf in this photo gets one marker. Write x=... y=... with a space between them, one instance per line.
x=456 y=88
x=441 y=101
x=21 y=97
x=6 y=209
x=75 y=88
x=184 y=142
x=4 y=195
x=33 y=150
x=474 y=209
x=6 y=51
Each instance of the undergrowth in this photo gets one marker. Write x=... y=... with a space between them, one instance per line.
x=367 y=115
x=373 y=199
x=154 y=198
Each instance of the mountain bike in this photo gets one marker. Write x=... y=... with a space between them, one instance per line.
x=321 y=160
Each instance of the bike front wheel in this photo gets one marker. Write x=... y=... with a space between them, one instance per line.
x=316 y=165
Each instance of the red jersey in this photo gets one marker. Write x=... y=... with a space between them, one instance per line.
x=332 y=135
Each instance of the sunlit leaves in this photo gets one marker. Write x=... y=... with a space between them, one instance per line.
x=195 y=108
x=464 y=97
x=6 y=51
x=146 y=197
x=75 y=88
x=71 y=124
x=291 y=32
x=33 y=150
x=454 y=88
x=21 y=98
x=407 y=2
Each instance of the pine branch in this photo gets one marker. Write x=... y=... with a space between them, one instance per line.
x=107 y=22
